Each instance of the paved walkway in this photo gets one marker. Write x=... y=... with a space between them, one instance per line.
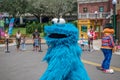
x=28 y=64
x=96 y=44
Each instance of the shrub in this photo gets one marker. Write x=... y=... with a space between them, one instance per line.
x=2 y=41
x=30 y=28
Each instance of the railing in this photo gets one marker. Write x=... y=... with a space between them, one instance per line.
x=100 y=15
x=91 y=1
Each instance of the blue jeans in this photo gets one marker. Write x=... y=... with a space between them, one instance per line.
x=23 y=46
x=107 y=58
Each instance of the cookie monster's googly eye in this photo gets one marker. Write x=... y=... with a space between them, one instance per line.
x=61 y=21
x=54 y=20
x=58 y=21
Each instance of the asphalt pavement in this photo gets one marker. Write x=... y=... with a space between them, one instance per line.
x=28 y=64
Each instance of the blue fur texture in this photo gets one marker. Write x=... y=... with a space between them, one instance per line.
x=63 y=55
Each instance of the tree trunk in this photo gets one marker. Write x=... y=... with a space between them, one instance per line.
x=40 y=19
x=21 y=20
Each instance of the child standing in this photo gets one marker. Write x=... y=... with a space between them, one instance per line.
x=23 y=43
x=36 y=43
x=82 y=42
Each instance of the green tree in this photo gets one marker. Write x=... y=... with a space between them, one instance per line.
x=51 y=7
x=37 y=8
x=61 y=7
x=13 y=7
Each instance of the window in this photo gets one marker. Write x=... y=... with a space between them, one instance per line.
x=84 y=28
x=97 y=29
x=101 y=9
x=85 y=10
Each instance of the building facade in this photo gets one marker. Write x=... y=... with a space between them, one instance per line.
x=93 y=13
x=118 y=19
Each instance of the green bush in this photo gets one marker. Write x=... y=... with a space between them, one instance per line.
x=30 y=28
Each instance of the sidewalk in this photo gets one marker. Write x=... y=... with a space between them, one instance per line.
x=28 y=41
x=29 y=65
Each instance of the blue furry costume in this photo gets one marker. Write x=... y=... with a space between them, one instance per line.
x=63 y=55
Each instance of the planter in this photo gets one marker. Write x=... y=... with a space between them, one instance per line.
x=2 y=41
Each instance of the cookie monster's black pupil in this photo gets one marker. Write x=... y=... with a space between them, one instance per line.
x=55 y=35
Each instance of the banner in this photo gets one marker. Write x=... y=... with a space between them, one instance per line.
x=11 y=26
x=1 y=27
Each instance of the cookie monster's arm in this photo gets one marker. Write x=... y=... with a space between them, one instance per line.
x=58 y=68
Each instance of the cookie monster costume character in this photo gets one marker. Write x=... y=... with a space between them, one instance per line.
x=63 y=55
x=107 y=46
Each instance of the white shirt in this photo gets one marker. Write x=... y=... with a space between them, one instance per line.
x=89 y=34
x=18 y=35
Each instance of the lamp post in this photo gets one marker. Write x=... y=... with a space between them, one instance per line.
x=114 y=2
x=96 y=13
x=96 y=18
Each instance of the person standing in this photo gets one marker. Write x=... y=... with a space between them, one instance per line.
x=36 y=33
x=36 y=43
x=18 y=39
x=90 y=35
x=6 y=39
x=107 y=47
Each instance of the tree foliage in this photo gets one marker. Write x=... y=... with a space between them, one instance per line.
x=38 y=7
x=13 y=7
x=60 y=7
